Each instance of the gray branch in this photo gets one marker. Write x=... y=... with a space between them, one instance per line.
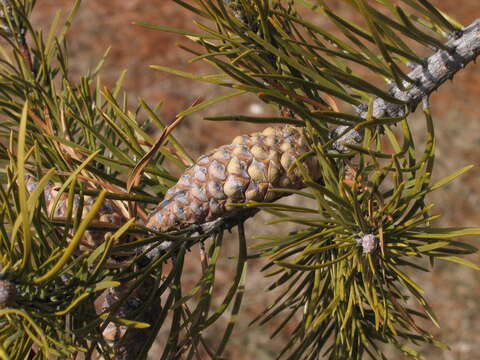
x=437 y=69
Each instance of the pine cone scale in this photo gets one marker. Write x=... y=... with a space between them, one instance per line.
x=242 y=171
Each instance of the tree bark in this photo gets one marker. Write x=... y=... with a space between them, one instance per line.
x=428 y=77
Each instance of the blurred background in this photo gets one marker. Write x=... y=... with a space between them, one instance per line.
x=453 y=291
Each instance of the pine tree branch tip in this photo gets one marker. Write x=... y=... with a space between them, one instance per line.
x=428 y=77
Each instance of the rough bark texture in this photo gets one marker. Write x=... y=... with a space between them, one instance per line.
x=437 y=69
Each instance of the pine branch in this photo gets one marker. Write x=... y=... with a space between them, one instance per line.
x=437 y=69
x=247 y=169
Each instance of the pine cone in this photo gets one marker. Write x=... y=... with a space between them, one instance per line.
x=8 y=293
x=236 y=173
x=109 y=213
x=127 y=341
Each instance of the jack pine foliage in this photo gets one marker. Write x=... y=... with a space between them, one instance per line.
x=84 y=268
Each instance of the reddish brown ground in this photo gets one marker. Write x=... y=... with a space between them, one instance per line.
x=453 y=291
